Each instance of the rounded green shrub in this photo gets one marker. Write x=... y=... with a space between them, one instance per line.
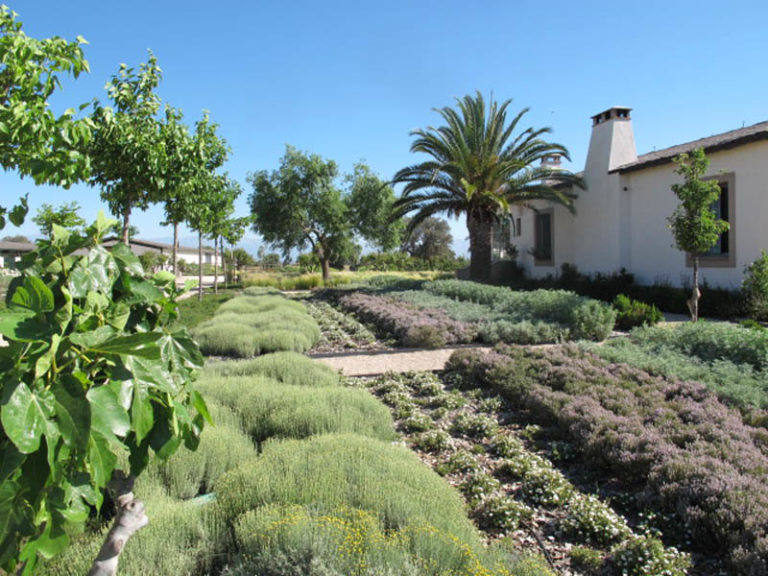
x=271 y=409
x=632 y=313
x=285 y=540
x=188 y=473
x=287 y=367
x=333 y=471
x=647 y=556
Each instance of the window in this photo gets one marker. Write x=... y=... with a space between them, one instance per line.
x=518 y=227
x=720 y=208
x=542 y=248
x=722 y=254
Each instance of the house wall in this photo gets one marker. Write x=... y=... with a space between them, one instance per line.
x=654 y=258
x=621 y=219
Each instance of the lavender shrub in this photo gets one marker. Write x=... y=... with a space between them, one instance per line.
x=674 y=443
x=410 y=325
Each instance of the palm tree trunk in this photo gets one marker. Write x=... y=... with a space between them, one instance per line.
x=480 y=225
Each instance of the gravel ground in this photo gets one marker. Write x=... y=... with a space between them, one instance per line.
x=380 y=362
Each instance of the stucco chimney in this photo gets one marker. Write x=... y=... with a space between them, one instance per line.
x=612 y=143
x=552 y=161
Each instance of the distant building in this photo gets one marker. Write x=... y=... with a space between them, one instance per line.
x=11 y=252
x=184 y=253
x=621 y=219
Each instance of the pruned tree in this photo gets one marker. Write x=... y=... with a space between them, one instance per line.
x=127 y=152
x=34 y=141
x=234 y=232
x=178 y=169
x=694 y=224
x=301 y=205
x=221 y=210
x=65 y=215
x=210 y=151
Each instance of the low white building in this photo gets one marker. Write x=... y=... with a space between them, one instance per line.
x=11 y=252
x=185 y=254
x=621 y=218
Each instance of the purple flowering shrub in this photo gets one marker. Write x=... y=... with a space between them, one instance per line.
x=682 y=450
x=410 y=325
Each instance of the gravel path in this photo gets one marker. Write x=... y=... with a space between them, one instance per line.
x=379 y=362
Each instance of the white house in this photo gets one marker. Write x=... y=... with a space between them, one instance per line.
x=621 y=218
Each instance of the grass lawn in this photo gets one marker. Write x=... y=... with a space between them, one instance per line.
x=193 y=311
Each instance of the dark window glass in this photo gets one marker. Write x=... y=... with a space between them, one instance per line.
x=543 y=246
x=721 y=209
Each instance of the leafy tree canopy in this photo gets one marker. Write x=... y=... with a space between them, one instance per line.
x=33 y=140
x=370 y=201
x=430 y=239
x=128 y=152
x=94 y=366
x=65 y=215
x=301 y=205
x=694 y=224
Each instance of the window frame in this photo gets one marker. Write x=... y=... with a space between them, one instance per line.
x=721 y=260
x=551 y=260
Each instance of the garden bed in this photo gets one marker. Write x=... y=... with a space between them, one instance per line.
x=730 y=360
x=340 y=332
x=258 y=322
x=516 y=491
x=670 y=447
x=446 y=312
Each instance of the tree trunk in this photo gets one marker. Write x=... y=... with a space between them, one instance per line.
x=693 y=303
x=130 y=518
x=126 y=225
x=223 y=262
x=215 y=265
x=175 y=248
x=325 y=264
x=200 y=266
x=480 y=225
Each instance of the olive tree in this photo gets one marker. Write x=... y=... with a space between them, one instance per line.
x=302 y=204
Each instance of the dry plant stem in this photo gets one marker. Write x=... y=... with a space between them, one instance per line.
x=130 y=518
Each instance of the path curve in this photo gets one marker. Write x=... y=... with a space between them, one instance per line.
x=378 y=362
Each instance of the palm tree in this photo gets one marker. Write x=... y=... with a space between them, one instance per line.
x=480 y=166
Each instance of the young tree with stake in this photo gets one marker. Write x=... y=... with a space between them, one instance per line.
x=694 y=224
x=179 y=169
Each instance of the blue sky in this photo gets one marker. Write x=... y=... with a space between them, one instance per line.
x=349 y=80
